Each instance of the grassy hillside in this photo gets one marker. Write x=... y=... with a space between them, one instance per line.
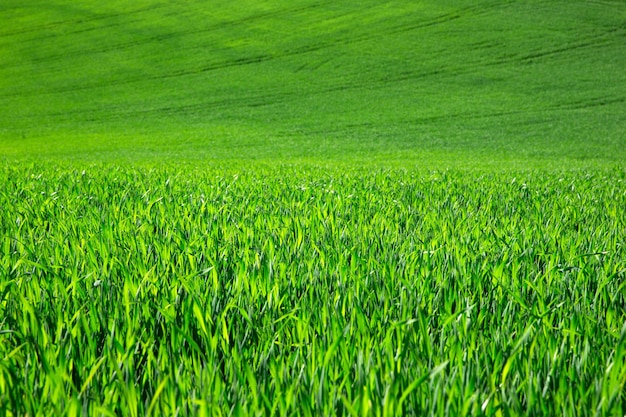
x=312 y=208
x=423 y=82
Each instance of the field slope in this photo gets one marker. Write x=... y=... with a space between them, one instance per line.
x=423 y=81
x=310 y=208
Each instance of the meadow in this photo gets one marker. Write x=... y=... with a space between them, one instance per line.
x=433 y=84
x=312 y=208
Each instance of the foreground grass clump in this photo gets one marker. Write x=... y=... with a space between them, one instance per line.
x=308 y=291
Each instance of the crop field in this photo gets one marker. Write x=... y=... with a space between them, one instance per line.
x=297 y=291
x=431 y=82
x=313 y=208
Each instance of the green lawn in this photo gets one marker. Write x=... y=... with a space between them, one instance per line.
x=312 y=208
x=425 y=83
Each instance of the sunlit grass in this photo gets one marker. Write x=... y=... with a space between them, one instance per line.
x=308 y=291
x=312 y=208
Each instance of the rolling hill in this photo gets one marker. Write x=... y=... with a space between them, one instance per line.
x=446 y=82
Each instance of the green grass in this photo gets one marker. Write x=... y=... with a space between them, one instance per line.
x=312 y=208
x=298 y=291
x=312 y=292
x=425 y=83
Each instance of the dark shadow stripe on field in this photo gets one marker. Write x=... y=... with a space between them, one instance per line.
x=80 y=20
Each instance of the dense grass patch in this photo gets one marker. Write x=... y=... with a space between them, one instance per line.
x=311 y=291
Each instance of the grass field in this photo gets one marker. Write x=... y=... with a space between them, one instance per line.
x=515 y=81
x=313 y=208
